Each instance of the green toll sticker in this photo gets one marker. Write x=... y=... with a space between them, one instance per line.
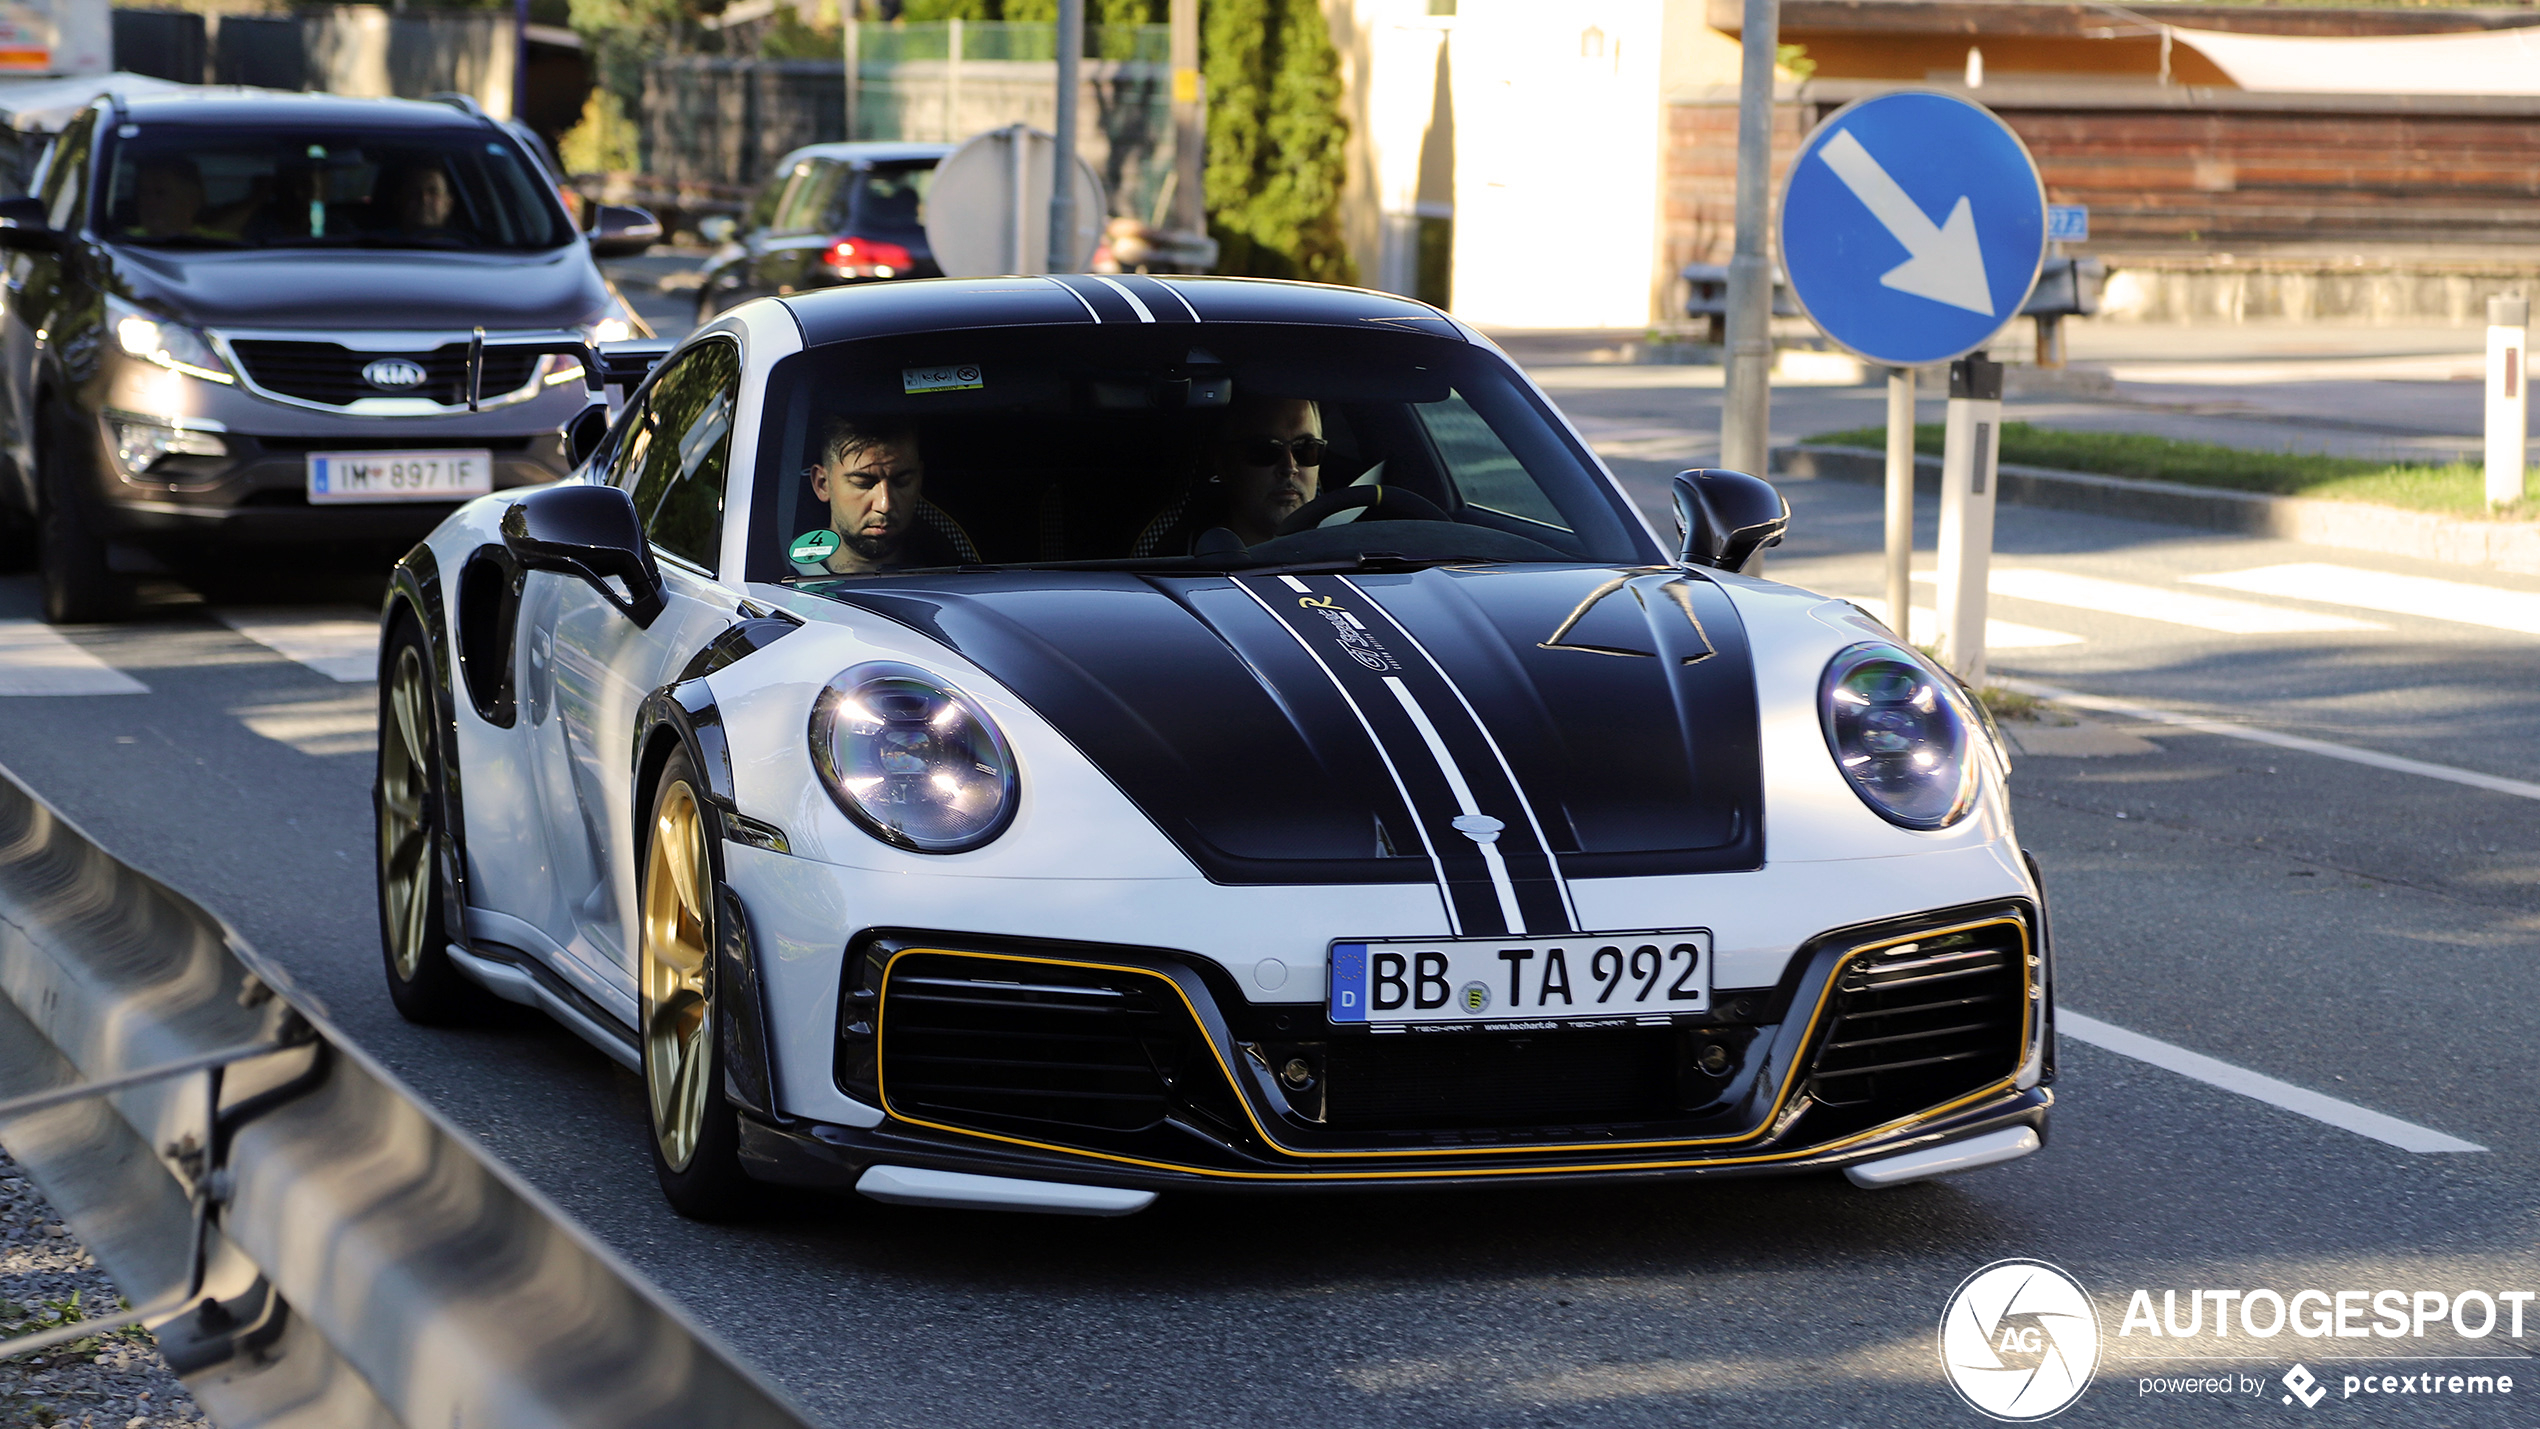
x=959 y=377
x=814 y=547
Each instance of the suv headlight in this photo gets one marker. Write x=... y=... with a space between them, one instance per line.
x=1901 y=733
x=914 y=763
x=170 y=344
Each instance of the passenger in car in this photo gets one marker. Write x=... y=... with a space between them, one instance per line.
x=168 y=202
x=421 y=200
x=872 y=479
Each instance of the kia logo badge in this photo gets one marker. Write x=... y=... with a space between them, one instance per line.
x=393 y=372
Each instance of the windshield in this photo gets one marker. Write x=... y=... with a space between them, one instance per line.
x=1168 y=447
x=453 y=188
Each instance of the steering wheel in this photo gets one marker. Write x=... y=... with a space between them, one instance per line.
x=1383 y=503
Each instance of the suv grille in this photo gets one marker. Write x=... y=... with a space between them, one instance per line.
x=332 y=373
x=1026 y=1045
x=1914 y=1027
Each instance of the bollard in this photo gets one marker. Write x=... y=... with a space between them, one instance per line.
x=1967 y=483
x=2508 y=397
x=1900 y=499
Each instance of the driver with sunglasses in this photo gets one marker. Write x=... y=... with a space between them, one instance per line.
x=1268 y=462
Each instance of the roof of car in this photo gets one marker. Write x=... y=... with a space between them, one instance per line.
x=868 y=152
x=861 y=310
x=228 y=107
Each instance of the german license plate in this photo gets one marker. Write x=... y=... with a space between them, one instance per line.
x=1599 y=978
x=339 y=477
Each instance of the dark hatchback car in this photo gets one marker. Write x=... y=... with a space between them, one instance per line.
x=244 y=327
x=833 y=214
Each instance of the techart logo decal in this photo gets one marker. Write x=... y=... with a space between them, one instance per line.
x=2019 y=1340
x=393 y=373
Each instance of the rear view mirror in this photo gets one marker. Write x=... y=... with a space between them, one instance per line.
x=618 y=231
x=591 y=532
x=1725 y=519
x=582 y=435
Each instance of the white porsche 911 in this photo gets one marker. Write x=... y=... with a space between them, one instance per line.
x=1039 y=742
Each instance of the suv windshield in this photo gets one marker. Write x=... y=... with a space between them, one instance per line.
x=1168 y=447
x=454 y=188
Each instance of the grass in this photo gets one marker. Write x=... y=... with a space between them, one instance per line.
x=2453 y=489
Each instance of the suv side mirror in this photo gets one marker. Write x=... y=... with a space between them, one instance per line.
x=591 y=532
x=583 y=435
x=618 y=231
x=25 y=225
x=1725 y=519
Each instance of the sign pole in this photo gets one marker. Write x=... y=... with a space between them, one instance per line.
x=1746 y=413
x=2508 y=397
x=1071 y=50
x=1967 y=482
x=1900 y=499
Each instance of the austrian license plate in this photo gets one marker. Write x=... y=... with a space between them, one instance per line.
x=1603 y=978
x=337 y=477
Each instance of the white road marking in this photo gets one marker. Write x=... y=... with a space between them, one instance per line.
x=2173 y=607
x=2196 y=1066
x=2498 y=609
x=36 y=659
x=2493 y=783
x=341 y=646
x=1998 y=634
x=340 y=724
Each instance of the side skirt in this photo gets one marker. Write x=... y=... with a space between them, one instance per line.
x=515 y=976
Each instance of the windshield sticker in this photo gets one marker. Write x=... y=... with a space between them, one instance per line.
x=811 y=548
x=963 y=378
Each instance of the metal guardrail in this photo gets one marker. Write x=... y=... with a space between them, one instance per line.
x=310 y=1242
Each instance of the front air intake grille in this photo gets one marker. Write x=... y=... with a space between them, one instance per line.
x=1474 y=1081
x=1010 y=1044
x=332 y=373
x=1916 y=1026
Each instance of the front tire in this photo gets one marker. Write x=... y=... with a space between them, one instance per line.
x=79 y=587
x=696 y=1136
x=414 y=935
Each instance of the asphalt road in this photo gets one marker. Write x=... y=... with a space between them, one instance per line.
x=2346 y=929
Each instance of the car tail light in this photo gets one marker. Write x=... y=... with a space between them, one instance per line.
x=868 y=258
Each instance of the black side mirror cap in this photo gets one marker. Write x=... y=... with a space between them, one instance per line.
x=1725 y=519
x=622 y=231
x=583 y=435
x=591 y=532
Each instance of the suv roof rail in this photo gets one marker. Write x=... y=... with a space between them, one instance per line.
x=464 y=103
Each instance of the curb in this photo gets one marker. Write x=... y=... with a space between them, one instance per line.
x=2348 y=525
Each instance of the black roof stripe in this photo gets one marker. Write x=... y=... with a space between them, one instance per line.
x=1160 y=298
x=1105 y=300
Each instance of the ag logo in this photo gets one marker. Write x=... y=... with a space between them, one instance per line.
x=2305 y=1386
x=2019 y=1340
x=393 y=372
x=1475 y=997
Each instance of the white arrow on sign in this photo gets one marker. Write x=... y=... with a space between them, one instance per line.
x=1947 y=266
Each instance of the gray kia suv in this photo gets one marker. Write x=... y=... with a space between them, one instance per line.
x=245 y=326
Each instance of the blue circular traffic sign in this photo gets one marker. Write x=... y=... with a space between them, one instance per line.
x=1912 y=226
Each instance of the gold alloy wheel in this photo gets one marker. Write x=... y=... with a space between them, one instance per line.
x=678 y=1008
x=405 y=830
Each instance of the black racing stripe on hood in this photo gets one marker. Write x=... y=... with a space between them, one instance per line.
x=1208 y=717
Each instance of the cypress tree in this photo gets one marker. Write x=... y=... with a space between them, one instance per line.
x=1275 y=139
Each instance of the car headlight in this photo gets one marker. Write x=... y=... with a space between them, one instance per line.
x=916 y=764
x=170 y=344
x=1901 y=733
x=141 y=441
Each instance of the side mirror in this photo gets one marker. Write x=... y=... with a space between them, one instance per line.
x=718 y=229
x=582 y=435
x=591 y=532
x=618 y=231
x=1725 y=519
x=26 y=226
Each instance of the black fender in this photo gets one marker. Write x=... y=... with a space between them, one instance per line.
x=414 y=592
x=679 y=715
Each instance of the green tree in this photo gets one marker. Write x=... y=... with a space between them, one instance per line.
x=1275 y=140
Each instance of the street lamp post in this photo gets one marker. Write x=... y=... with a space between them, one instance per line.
x=1746 y=415
x=1071 y=47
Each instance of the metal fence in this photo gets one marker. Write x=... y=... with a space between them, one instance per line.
x=725 y=123
x=309 y=1241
